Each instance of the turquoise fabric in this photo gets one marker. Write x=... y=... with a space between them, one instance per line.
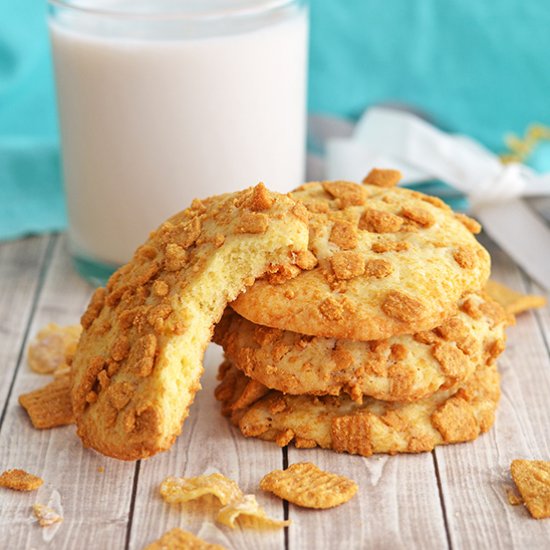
x=31 y=197
x=471 y=66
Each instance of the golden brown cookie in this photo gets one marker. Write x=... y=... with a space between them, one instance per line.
x=139 y=359
x=382 y=261
x=50 y=406
x=400 y=368
x=374 y=426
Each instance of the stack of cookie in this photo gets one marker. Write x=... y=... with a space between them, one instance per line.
x=379 y=340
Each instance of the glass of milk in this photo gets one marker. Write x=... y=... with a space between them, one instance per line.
x=162 y=101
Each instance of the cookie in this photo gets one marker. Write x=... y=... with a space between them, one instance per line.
x=382 y=261
x=139 y=359
x=373 y=426
x=400 y=368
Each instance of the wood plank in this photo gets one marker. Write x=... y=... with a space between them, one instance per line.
x=475 y=476
x=20 y=266
x=208 y=444
x=96 y=505
x=397 y=505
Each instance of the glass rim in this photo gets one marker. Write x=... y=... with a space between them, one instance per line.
x=202 y=15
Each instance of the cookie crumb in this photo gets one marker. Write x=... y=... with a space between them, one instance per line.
x=252 y=222
x=378 y=221
x=45 y=515
x=20 y=480
x=532 y=478
x=402 y=307
x=383 y=178
x=347 y=264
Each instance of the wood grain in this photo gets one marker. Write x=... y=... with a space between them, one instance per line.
x=400 y=500
x=95 y=504
x=21 y=263
x=475 y=476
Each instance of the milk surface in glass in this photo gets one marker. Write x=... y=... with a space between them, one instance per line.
x=172 y=101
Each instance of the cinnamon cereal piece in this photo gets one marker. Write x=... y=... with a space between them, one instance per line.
x=50 y=406
x=435 y=201
x=332 y=309
x=260 y=199
x=456 y=421
x=94 y=307
x=284 y=438
x=352 y=434
x=378 y=221
x=252 y=222
x=344 y=235
x=178 y=539
x=306 y=260
x=347 y=264
x=160 y=288
x=402 y=307
x=418 y=215
x=453 y=361
x=532 y=478
x=469 y=223
x=386 y=245
x=465 y=257
x=383 y=178
x=278 y=274
x=306 y=485
x=346 y=193
x=176 y=257
x=378 y=269
x=303 y=443
x=19 y=480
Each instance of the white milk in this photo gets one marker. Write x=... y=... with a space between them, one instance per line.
x=148 y=123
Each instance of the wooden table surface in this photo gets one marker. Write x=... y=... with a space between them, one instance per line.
x=454 y=497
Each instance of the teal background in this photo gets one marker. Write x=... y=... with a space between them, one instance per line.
x=477 y=67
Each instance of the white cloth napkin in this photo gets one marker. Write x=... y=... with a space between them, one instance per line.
x=393 y=138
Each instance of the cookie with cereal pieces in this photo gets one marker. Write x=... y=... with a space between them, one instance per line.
x=138 y=363
x=366 y=428
x=382 y=261
x=406 y=367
